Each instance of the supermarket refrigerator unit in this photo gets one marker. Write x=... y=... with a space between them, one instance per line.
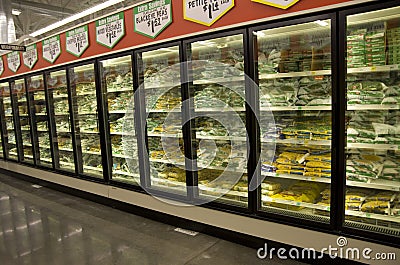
x=22 y=122
x=370 y=91
x=41 y=135
x=60 y=116
x=116 y=76
x=87 y=121
x=5 y=117
x=216 y=98
x=295 y=139
x=159 y=117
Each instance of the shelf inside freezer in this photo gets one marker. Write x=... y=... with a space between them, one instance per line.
x=117 y=111
x=120 y=90
x=92 y=153
x=93 y=168
x=373 y=146
x=298 y=142
x=373 y=107
x=381 y=184
x=122 y=133
x=65 y=149
x=177 y=110
x=223 y=138
x=295 y=108
x=371 y=69
x=159 y=85
x=57 y=97
x=67 y=164
x=167 y=161
x=219 y=80
x=373 y=216
x=267 y=199
x=164 y=135
x=295 y=74
x=14 y=154
x=89 y=132
x=222 y=109
x=297 y=177
x=7 y=115
x=28 y=156
x=122 y=156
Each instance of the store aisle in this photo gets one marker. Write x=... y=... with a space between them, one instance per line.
x=40 y=226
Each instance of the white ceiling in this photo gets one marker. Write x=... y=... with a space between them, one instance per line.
x=36 y=14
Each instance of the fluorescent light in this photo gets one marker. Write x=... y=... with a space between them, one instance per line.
x=75 y=17
x=321 y=23
x=15 y=12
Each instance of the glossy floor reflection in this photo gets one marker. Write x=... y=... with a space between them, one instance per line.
x=40 y=226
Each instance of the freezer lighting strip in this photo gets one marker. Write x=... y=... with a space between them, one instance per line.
x=77 y=16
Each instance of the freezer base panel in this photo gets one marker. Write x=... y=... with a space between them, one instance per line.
x=241 y=229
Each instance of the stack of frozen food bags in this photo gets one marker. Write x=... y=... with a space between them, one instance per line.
x=314 y=92
x=375 y=48
x=379 y=203
x=318 y=165
x=393 y=39
x=355 y=198
x=356 y=49
x=365 y=92
x=364 y=167
x=301 y=191
x=278 y=92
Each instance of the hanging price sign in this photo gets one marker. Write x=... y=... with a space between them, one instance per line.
x=30 y=57
x=206 y=12
x=51 y=48
x=13 y=61
x=77 y=40
x=152 y=18
x=283 y=4
x=1 y=65
x=110 y=30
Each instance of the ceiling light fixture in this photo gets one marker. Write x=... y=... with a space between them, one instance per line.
x=75 y=17
x=16 y=12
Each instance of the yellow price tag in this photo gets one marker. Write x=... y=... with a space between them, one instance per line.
x=373 y=68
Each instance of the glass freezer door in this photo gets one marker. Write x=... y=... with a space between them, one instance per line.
x=372 y=199
x=10 y=142
x=117 y=86
x=19 y=95
x=295 y=87
x=161 y=91
x=83 y=89
x=5 y=104
x=59 y=109
x=40 y=123
x=217 y=91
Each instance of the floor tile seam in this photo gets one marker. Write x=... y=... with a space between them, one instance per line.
x=195 y=255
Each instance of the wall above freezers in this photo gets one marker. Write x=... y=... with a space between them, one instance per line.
x=243 y=13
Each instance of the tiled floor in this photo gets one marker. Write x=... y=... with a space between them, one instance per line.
x=40 y=226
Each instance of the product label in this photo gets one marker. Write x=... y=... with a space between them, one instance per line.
x=110 y=30
x=77 y=40
x=30 y=57
x=283 y=4
x=51 y=48
x=1 y=65
x=13 y=61
x=206 y=12
x=152 y=18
